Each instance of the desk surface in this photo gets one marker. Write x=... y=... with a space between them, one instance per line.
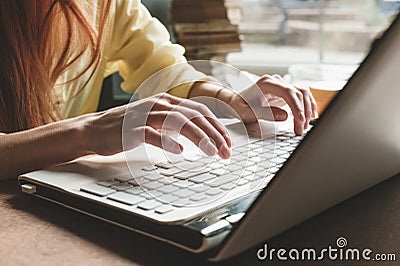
x=33 y=231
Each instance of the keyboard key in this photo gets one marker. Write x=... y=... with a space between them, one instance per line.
x=185 y=202
x=228 y=186
x=170 y=172
x=167 y=198
x=187 y=174
x=233 y=168
x=134 y=182
x=273 y=170
x=247 y=173
x=251 y=168
x=242 y=181
x=183 y=184
x=279 y=160
x=153 y=177
x=124 y=178
x=107 y=182
x=198 y=197
x=287 y=148
x=125 y=198
x=280 y=152
x=166 y=189
x=267 y=156
x=183 y=193
x=214 y=191
x=253 y=153
x=134 y=190
x=139 y=174
x=151 y=194
x=282 y=144
x=149 y=168
x=201 y=178
x=166 y=180
x=285 y=156
x=254 y=159
x=121 y=186
x=164 y=165
x=199 y=188
x=250 y=177
x=216 y=165
x=218 y=171
x=242 y=149
x=149 y=205
x=154 y=194
x=152 y=185
x=97 y=190
x=164 y=209
x=185 y=165
x=222 y=180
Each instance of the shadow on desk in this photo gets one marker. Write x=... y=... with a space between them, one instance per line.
x=53 y=234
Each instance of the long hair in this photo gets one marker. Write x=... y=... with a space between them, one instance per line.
x=39 y=41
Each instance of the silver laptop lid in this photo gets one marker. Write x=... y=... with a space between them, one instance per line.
x=355 y=145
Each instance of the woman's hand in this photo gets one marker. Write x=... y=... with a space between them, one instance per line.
x=274 y=92
x=151 y=120
x=265 y=99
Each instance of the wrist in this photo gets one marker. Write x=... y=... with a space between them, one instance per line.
x=82 y=135
x=216 y=96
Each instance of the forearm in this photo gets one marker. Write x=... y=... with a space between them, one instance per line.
x=42 y=147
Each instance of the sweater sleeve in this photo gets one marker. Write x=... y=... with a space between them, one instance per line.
x=142 y=51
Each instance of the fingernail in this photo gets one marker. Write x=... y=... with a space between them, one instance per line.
x=228 y=138
x=226 y=152
x=211 y=149
x=299 y=129
x=176 y=148
x=280 y=116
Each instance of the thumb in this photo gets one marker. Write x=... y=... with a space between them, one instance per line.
x=271 y=113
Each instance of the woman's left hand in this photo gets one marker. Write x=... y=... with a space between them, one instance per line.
x=265 y=99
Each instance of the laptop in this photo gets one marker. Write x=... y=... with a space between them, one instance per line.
x=221 y=208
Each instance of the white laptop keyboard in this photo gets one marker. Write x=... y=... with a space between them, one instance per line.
x=167 y=187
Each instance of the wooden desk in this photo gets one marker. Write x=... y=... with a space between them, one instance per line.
x=36 y=232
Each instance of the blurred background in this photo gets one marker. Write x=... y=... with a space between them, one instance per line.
x=303 y=40
x=275 y=34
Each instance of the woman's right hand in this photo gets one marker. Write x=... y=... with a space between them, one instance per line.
x=151 y=120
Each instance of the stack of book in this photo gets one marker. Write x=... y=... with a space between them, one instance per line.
x=207 y=28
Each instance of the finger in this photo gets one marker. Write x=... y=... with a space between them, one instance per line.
x=178 y=123
x=164 y=142
x=210 y=116
x=313 y=106
x=270 y=113
x=285 y=91
x=307 y=107
x=294 y=99
x=204 y=110
x=210 y=126
x=300 y=117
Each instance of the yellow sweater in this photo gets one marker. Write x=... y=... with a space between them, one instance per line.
x=135 y=44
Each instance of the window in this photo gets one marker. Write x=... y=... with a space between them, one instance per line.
x=279 y=33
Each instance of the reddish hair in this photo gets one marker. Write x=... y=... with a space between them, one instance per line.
x=40 y=40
